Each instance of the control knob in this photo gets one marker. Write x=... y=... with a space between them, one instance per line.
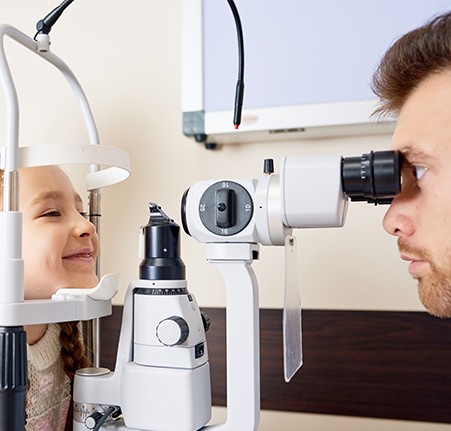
x=172 y=331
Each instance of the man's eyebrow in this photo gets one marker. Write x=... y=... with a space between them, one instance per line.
x=413 y=153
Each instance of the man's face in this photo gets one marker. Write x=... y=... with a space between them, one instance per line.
x=59 y=245
x=420 y=216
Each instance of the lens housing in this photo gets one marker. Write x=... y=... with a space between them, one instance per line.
x=373 y=177
x=161 y=248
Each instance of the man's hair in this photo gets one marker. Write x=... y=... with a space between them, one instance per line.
x=411 y=59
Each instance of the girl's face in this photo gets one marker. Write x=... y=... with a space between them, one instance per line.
x=60 y=245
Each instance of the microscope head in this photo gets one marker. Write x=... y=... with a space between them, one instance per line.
x=310 y=192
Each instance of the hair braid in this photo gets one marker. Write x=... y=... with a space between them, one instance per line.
x=73 y=354
x=72 y=349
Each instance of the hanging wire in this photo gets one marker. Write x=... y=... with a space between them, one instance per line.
x=239 y=92
x=44 y=26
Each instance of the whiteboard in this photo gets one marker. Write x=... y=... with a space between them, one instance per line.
x=308 y=64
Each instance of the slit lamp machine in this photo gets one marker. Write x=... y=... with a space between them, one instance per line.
x=161 y=380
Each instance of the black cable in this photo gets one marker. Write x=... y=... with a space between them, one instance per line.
x=239 y=92
x=44 y=26
x=104 y=417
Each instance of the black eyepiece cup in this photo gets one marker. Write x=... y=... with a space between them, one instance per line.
x=374 y=177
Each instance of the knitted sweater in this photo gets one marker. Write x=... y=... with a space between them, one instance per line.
x=48 y=396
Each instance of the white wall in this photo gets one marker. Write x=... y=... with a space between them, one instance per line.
x=127 y=57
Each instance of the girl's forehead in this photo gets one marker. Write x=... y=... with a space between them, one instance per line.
x=44 y=181
x=44 y=176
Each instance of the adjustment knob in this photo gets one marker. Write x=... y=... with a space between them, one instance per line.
x=268 y=166
x=92 y=420
x=225 y=207
x=205 y=320
x=172 y=331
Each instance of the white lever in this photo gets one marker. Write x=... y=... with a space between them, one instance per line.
x=292 y=331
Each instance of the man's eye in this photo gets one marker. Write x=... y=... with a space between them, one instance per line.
x=419 y=171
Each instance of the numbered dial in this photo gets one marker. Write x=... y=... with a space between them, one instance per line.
x=226 y=208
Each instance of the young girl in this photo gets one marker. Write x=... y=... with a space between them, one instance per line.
x=60 y=247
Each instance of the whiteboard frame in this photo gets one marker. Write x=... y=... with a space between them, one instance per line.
x=261 y=124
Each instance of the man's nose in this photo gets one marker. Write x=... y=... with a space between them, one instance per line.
x=399 y=219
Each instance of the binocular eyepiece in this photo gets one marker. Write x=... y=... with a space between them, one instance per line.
x=374 y=177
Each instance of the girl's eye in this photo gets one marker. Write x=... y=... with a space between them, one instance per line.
x=84 y=214
x=51 y=214
x=419 y=171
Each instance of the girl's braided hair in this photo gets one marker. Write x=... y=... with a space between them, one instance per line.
x=72 y=348
x=74 y=357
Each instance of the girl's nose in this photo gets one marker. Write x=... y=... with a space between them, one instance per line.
x=84 y=227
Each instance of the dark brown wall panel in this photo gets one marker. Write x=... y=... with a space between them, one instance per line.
x=359 y=363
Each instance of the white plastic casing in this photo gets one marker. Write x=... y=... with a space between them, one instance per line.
x=265 y=226
x=307 y=194
x=312 y=193
x=153 y=339
x=163 y=397
x=11 y=263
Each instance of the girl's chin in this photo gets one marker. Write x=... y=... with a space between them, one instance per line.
x=78 y=282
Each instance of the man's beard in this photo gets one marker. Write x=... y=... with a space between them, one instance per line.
x=434 y=287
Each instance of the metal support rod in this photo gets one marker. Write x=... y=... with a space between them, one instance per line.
x=93 y=326
x=93 y=341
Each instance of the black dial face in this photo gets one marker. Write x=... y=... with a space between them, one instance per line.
x=226 y=208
